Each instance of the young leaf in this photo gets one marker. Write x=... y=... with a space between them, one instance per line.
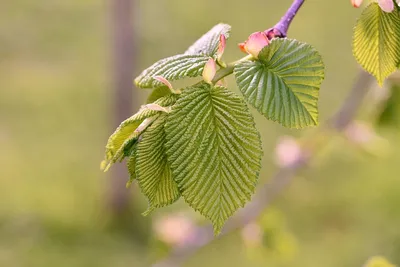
x=376 y=41
x=172 y=68
x=214 y=150
x=283 y=84
x=153 y=172
x=208 y=43
x=124 y=137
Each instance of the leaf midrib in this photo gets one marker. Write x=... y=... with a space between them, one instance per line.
x=266 y=68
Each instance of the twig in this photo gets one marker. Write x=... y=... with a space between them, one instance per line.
x=284 y=176
x=283 y=25
x=278 y=31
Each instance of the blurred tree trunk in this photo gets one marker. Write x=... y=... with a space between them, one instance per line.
x=124 y=101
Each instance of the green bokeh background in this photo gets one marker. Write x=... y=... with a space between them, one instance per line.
x=55 y=113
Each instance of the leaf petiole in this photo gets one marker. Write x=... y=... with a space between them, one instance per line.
x=228 y=70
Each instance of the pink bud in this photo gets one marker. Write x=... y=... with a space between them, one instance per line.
x=241 y=46
x=164 y=81
x=221 y=46
x=356 y=3
x=209 y=70
x=386 y=5
x=255 y=43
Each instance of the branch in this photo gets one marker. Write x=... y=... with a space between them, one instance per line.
x=282 y=179
x=281 y=28
x=278 y=31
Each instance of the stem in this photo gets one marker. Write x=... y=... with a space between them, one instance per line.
x=283 y=25
x=228 y=70
x=278 y=31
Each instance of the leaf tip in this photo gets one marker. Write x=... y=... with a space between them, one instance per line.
x=163 y=81
x=217 y=229
x=105 y=165
x=136 y=81
x=148 y=211
x=128 y=184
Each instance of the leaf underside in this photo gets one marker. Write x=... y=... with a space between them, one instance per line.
x=283 y=84
x=153 y=171
x=172 y=68
x=208 y=43
x=376 y=41
x=214 y=150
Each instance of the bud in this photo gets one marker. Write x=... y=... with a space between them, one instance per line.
x=386 y=5
x=356 y=3
x=255 y=43
x=241 y=47
x=209 y=70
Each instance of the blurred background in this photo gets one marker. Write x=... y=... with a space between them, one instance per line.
x=65 y=83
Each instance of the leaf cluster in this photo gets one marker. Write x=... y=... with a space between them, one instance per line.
x=200 y=142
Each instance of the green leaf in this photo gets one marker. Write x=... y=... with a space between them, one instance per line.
x=376 y=41
x=124 y=137
x=152 y=168
x=214 y=150
x=283 y=84
x=208 y=43
x=172 y=68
